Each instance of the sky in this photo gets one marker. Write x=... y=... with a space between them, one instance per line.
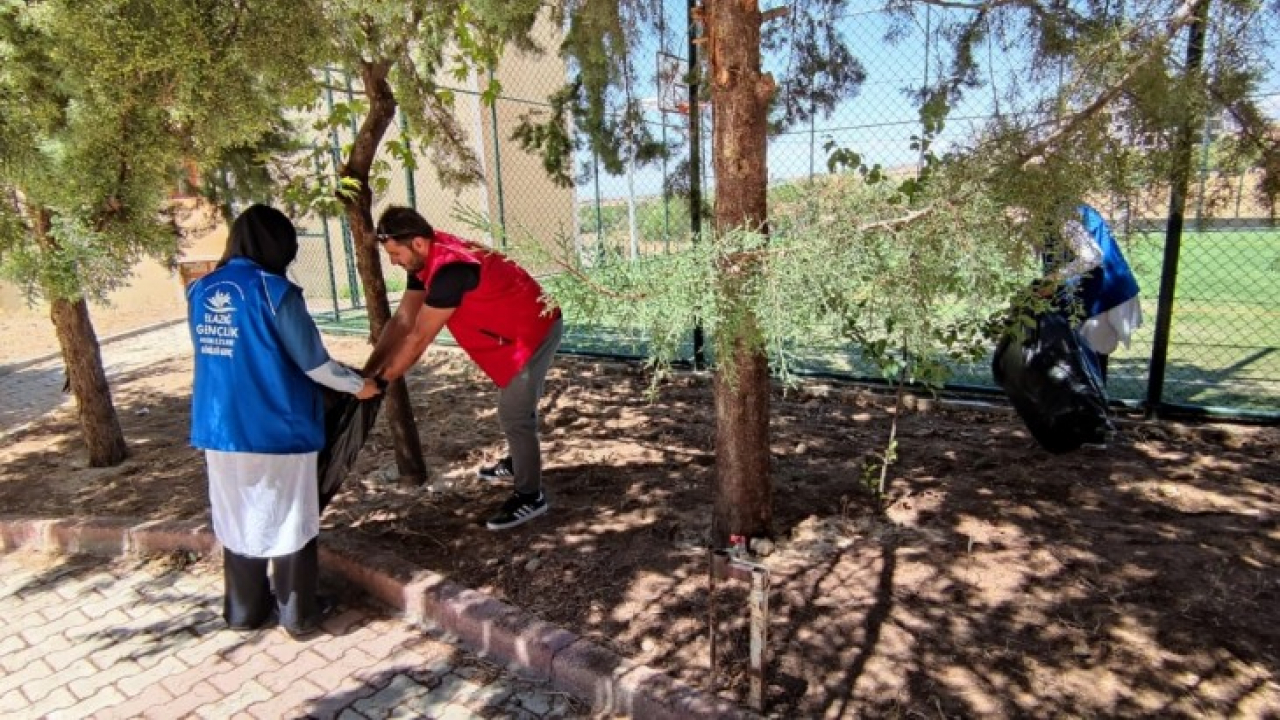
x=878 y=122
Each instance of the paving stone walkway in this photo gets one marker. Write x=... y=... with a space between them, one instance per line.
x=92 y=638
x=31 y=388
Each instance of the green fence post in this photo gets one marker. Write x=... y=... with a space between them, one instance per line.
x=335 y=151
x=599 y=216
x=695 y=165
x=328 y=256
x=666 y=196
x=411 y=188
x=1179 y=180
x=497 y=168
x=662 y=116
x=357 y=297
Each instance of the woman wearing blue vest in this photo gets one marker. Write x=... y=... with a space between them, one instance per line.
x=1097 y=277
x=257 y=412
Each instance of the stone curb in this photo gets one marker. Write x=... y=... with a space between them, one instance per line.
x=494 y=629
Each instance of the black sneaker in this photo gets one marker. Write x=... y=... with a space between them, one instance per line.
x=517 y=510
x=501 y=470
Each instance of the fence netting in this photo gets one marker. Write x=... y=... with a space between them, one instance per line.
x=1224 y=349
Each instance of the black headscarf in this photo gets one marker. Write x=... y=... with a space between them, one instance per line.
x=265 y=236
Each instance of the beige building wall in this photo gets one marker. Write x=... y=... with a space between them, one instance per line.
x=535 y=208
x=515 y=188
x=152 y=294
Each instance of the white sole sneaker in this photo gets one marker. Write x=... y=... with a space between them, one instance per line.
x=521 y=516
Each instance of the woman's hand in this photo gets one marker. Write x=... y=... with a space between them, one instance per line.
x=369 y=390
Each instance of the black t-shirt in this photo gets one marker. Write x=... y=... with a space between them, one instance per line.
x=448 y=285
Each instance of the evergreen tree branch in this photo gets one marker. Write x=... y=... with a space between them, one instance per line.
x=1184 y=16
x=585 y=279
x=1252 y=126
x=895 y=223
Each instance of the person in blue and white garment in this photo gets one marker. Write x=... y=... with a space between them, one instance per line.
x=1089 y=263
x=257 y=412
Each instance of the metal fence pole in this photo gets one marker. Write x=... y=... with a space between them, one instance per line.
x=497 y=168
x=357 y=297
x=695 y=165
x=411 y=188
x=1206 y=137
x=666 y=196
x=813 y=132
x=631 y=205
x=335 y=152
x=1179 y=180
x=662 y=117
x=595 y=156
x=328 y=257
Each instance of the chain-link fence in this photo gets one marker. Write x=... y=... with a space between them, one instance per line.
x=1224 y=348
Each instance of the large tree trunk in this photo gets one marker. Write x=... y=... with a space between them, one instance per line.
x=382 y=110
x=740 y=96
x=83 y=360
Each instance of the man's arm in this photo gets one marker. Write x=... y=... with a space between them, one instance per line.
x=429 y=322
x=396 y=330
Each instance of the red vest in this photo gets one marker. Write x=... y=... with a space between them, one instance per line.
x=503 y=320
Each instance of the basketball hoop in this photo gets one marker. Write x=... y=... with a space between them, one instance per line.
x=673 y=92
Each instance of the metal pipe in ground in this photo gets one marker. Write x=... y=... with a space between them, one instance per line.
x=730 y=565
x=759 y=602
x=711 y=613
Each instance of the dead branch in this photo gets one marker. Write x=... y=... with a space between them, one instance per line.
x=894 y=223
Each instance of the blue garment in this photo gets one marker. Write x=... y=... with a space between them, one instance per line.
x=252 y=348
x=1112 y=283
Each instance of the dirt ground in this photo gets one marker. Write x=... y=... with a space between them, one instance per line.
x=1139 y=580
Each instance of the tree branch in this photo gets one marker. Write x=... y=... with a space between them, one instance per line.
x=382 y=109
x=890 y=224
x=1248 y=125
x=986 y=7
x=1184 y=16
x=894 y=223
x=576 y=272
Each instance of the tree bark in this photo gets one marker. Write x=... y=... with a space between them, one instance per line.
x=740 y=96
x=82 y=357
x=82 y=361
x=382 y=111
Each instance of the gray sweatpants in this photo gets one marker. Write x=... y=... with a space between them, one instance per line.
x=518 y=413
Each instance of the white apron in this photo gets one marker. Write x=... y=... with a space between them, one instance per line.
x=263 y=505
x=1105 y=331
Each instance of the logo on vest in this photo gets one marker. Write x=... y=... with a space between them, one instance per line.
x=218 y=332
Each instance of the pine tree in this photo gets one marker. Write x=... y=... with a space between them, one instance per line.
x=100 y=104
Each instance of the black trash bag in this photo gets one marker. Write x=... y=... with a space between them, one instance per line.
x=347 y=422
x=1053 y=381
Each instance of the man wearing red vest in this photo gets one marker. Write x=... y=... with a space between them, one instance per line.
x=495 y=311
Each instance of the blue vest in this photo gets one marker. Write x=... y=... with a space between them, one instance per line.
x=249 y=395
x=1112 y=283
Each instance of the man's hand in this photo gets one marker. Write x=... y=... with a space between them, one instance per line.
x=395 y=332
x=369 y=390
